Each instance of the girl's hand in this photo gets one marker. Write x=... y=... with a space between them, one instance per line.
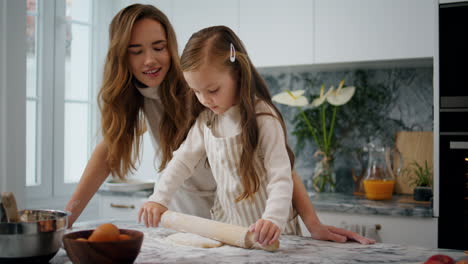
x=335 y=234
x=266 y=233
x=151 y=213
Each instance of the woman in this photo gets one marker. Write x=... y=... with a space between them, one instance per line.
x=143 y=81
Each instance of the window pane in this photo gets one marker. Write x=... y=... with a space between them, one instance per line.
x=76 y=140
x=31 y=147
x=77 y=63
x=31 y=57
x=78 y=10
x=31 y=93
x=31 y=5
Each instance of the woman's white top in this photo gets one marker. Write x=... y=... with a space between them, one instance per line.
x=218 y=138
x=196 y=196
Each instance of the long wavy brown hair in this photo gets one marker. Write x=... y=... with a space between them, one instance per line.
x=212 y=45
x=121 y=104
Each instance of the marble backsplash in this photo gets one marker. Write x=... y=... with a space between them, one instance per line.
x=400 y=99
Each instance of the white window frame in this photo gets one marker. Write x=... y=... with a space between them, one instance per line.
x=45 y=75
x=13 y=102
x=52 y=191
x=62 y=188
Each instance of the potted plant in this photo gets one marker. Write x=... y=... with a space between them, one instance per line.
x=422 y=180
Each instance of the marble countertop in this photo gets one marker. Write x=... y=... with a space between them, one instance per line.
x=399 y=205
x=293 y=249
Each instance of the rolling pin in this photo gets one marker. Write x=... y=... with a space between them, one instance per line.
x=229 y=234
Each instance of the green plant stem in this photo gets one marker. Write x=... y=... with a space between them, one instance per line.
x=324 y=128
x=322 y=184
x=309 y=125
x=332 y=125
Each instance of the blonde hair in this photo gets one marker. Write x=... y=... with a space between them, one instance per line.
x=121 y=103
x=212 y=45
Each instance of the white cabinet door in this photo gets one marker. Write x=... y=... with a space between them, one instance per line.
x=393 y=229
x=191 y=16
x=277 y=32
x=366 y=30
x=164 y=5
x=120 y=207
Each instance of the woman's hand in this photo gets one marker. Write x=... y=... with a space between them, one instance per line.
x=266 y=233
x=335 y=234
x=151 y=213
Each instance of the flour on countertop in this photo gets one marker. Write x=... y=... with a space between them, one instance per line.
x=193 y=240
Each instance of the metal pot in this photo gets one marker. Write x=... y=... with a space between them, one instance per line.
x=37 y=237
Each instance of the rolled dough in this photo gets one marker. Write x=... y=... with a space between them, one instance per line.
x=193 y=240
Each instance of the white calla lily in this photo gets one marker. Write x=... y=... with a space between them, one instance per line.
x=322 y=130
x=291 y=98
x=341 y=95
x=323 y=96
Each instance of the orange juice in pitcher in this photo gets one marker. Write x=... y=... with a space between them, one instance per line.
x=379 y=189
x=379 y=180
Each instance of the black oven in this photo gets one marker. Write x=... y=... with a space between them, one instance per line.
x=453 y=181
x=453 y=126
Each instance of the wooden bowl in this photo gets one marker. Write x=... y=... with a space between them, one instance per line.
x=124 y=251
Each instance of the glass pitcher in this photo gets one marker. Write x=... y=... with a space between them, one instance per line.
x=379 y=179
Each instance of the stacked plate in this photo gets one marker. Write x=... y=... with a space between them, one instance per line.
x=129 y=185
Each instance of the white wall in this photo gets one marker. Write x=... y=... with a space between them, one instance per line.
x=13 y=94
x=2 y=94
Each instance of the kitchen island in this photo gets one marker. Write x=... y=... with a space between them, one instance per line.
x=293 y=249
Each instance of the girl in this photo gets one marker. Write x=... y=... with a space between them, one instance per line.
x=143 y=82
x=241 y=132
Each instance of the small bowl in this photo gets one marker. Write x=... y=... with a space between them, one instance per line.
x=123 y=251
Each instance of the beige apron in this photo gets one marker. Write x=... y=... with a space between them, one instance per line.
x=224 y=156
x=196 y=195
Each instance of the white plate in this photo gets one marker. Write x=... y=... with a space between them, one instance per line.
x=130 y=185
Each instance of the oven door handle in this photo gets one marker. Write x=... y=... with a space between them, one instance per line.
x=458 y=145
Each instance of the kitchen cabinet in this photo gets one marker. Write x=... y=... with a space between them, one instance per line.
x=368 y=30
x=191 y=16
x=277 y=32
x=165 y=6
x=120 y=207
x=415 y=231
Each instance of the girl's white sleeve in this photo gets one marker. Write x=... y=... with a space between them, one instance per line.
x=181 y=166
x=278 y=169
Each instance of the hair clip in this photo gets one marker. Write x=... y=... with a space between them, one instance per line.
x=232 y=55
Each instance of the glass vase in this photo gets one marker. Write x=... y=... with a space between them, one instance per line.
x=323 y=179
